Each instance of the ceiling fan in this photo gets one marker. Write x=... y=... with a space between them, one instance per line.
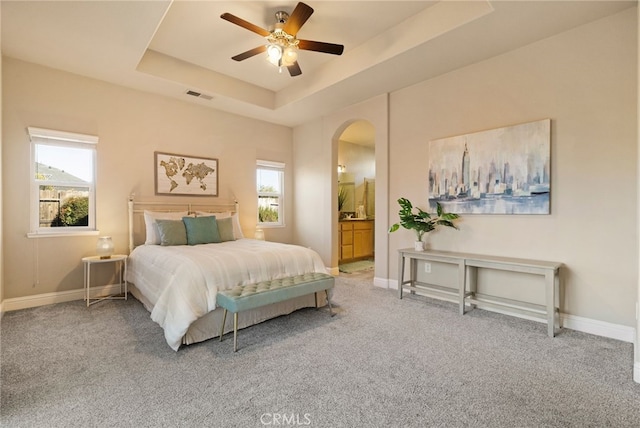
x=282 y=45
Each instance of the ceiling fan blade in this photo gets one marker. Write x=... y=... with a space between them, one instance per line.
x=298 y=17
x=249 y=53
x=244 y=24
x=294 y=69
x=330 y=48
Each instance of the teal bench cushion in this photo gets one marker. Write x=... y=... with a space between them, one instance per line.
x=244 y=297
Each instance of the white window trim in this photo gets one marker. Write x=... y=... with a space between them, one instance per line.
x=263 y=164
x=64 y=234
x=280 y=167
x=60 y=136
x=60 y=139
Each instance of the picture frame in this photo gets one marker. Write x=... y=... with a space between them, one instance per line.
x=185 y=175
x=499 y=171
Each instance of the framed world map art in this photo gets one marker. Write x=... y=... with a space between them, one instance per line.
x=185 y=175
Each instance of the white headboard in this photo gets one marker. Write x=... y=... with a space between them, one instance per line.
x=137 y=208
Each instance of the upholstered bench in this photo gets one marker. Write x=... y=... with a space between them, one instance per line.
x=244 y=297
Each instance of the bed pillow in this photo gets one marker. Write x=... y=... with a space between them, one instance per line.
x=201 y=230
x=172 y=232
x=151 y=229
x=225 y=228
x=237 y=230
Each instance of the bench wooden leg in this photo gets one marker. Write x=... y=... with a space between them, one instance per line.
x=224 y=318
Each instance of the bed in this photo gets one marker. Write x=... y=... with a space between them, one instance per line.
x=178 y=282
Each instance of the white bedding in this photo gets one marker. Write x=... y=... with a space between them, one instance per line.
x=182 y=281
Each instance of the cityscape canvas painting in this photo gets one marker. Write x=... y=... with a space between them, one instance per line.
x=500 y=171
x=185 y=175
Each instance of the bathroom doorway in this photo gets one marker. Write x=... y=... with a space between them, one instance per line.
x=356 y=198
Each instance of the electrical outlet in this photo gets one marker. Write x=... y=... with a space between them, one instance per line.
x=427 y=268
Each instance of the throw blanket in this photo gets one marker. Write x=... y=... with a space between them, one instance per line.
x=182 y=282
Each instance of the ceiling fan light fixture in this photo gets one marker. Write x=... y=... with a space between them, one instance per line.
x=289 y=56
x=274 y=53
x=282 y=43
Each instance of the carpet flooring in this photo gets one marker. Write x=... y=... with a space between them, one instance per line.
x=380 y=362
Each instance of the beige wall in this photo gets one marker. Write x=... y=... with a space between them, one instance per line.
x=131 y=126
x=1 y=195
x=585 y=81
x=315 y=160
x=312 y=189
x=636 y=370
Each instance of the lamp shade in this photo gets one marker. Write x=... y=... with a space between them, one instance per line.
x=104 y=248
x=259 y=234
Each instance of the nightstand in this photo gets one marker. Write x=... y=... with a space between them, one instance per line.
x=120 y=262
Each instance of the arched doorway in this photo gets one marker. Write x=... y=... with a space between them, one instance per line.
x=356 y=169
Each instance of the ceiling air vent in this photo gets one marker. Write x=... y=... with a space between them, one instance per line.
x=199 y=95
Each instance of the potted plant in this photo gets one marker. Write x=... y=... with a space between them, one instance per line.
x=342 y=197
x=422 y=222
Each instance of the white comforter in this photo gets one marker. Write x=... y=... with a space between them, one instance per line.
x=182 y=281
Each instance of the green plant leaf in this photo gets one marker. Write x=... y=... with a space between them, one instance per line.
x=449 y=216
x=421 y=221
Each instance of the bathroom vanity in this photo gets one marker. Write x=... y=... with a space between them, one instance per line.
x=356 y=239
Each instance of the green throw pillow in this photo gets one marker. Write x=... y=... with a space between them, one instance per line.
x=171 y=232
x=225 y=228
x=201 y=230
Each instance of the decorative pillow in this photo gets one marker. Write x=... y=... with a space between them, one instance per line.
x=150 y=217
x=201 y=230
x=237 y=230
x=172 y=232
x=225 y=228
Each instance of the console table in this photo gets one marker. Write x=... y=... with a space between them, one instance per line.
x=465 y=292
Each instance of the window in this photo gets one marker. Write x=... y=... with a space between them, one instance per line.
x=62 y=182
x=270 y=182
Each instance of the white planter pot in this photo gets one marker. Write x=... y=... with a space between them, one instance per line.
x=419 y=245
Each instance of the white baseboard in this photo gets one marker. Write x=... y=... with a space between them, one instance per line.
x=584 y=325
x=392 y=283
x=381 y=282
x=599 y=328
x=636 y=372
x=57 y=297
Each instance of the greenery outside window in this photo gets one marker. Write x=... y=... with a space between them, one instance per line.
x=270 y=185
x=63 y=177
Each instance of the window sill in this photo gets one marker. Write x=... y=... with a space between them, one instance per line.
x=63 y=234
